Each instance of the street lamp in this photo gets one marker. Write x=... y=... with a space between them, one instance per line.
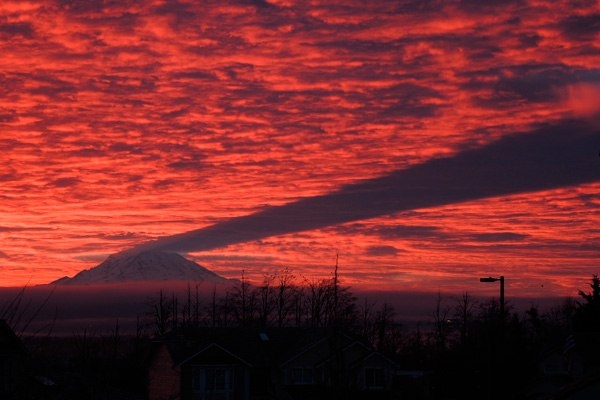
x=501 y=279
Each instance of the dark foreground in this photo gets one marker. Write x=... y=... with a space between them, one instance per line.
x=315 y=342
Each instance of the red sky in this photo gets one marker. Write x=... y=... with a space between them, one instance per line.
x=429 y=143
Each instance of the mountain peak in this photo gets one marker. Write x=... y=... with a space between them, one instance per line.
x=130 y=266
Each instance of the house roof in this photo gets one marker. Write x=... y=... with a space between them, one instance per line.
x=339 y=340
x=250 y=346
x=362 y=353
x=257 y=347
x=212 y=346
x=374 y=354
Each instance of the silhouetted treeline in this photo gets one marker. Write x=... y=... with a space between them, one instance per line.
x=278 y=302
x=468 y=347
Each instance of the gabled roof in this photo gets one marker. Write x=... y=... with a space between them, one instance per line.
x=373 y=354
x=211 y=346
x=263 y=347
x=301 y=351
x=254 y=347
x=366 y=352
x=339 y=340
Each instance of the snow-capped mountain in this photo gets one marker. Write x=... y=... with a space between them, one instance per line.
x=129 y=266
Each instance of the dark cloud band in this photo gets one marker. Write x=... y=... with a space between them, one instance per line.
x=550 y=157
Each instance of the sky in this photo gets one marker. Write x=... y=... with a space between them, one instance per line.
x=423 y=144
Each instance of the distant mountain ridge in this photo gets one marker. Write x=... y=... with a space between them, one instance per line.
x=129 y=266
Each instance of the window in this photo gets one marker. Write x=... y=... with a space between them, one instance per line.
x=374 y=378
x=303 y=376
x=212 y=383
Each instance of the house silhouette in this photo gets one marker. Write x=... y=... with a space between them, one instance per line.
x=284 y=363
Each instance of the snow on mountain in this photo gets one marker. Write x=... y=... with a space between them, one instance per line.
x=131 y=266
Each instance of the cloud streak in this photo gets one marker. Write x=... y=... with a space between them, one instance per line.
x=550 y=157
